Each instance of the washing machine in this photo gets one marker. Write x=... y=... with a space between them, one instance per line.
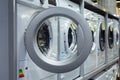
x=46 y=44
x=100 y=40
x=25 y=10
x=110 y=39
x=75 y=7
x=96 y=57
x=116 y=39
x=90 y=63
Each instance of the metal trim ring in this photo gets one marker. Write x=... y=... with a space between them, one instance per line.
x=84 y=41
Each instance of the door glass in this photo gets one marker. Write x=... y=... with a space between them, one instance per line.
x=56 y=38
x=117 y=38
x=43 y=38
x=110 y=36
x=102 y=37
x=92 y=36
x=72 y=37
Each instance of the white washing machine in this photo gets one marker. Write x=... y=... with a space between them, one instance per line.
x=97 y=54
x=110 y=38
x=75 y=7
x=90 y=63
x=100 y=40
x=27 y=70
x=46 y=44
x=116 y=38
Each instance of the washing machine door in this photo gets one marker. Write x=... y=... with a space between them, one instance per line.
x=58 y=40
x=102 y=37
x=110 y=37
x=117 y=37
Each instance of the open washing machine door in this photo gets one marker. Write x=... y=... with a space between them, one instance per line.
x=56 y=48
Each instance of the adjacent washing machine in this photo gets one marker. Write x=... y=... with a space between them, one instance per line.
x=27 y=70
x=97 y=54
x=49 y=40
x=116 y=39
x=100 y=40
x=75 y=7
x=110 y=39
x=90 y=63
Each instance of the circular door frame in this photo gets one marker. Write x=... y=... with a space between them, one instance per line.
x=110 y=44
x=102 y=47
x=84 y=41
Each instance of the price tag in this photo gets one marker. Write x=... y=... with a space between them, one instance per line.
x=103 y=26
x=92 y=26
x=111 y=29
x=73 y=26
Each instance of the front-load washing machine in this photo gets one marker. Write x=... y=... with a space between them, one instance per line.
x=100 y=40
x=46 y=45
x=116 y=39
x=96 y=57
x=110 y=39
x=90 y=63
x=75 y=7
x=26 y=10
